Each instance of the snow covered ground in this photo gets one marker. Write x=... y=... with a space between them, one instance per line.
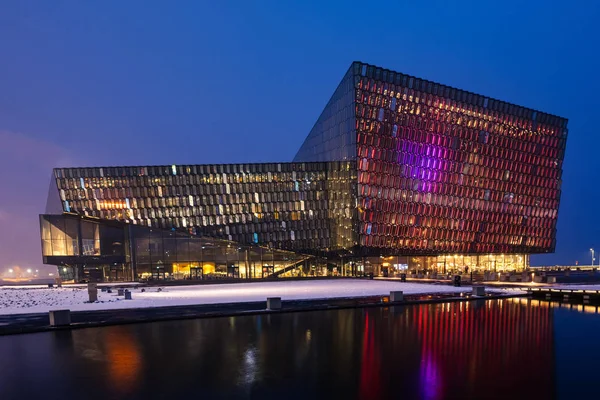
x=38 y=299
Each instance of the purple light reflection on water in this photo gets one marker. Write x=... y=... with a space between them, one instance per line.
x=430 y=378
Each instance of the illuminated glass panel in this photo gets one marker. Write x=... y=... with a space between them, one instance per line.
x=299 y=206
x=446 y=171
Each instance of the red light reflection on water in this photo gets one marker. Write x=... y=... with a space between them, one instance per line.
x=484 y=347
x=464 y=349
x=370 y=374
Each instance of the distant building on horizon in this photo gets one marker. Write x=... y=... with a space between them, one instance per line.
x=397 y=174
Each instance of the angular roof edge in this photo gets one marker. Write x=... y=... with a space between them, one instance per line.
x=365 y=70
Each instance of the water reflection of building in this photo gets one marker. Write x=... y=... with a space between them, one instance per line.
x=113 y=355
x=477 y=350
x=398 y=173
x=462 y=350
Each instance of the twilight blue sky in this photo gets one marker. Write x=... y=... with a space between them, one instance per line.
x=157 y=82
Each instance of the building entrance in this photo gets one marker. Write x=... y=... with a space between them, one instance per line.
x=233 y=271
x=196 y=273
x=158 y=273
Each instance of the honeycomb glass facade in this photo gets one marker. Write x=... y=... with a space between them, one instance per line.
x=333 y=137
x=432 y=177
x=305 y=207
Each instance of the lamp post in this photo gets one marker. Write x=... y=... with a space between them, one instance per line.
x=593 y=259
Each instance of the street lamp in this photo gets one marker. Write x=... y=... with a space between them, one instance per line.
x=593 y=259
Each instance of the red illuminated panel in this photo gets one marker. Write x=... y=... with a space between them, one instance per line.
x=457 y=172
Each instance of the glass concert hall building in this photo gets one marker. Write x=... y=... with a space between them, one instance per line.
x=398 y=173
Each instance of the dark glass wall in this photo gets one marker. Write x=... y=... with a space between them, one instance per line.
x=333 y=137
x=163 y=254
x=80 y=245
x=442 y=170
